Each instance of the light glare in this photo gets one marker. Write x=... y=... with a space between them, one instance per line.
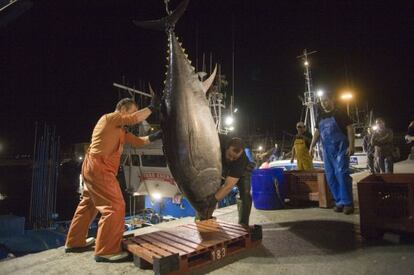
x=156 y=196
x=346 y=96
x=320 y=93
x=229 y=120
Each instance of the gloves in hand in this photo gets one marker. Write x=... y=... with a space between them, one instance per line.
x=155 y=136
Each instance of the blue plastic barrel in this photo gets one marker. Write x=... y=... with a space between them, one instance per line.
x=268 y=189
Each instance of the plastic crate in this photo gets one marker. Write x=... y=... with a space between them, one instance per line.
x=386 y=203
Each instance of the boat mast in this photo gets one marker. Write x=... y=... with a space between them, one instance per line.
x=310 y=99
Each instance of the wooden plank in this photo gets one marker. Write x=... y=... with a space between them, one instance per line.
x=162 y=245
x=139 y=250
x=220 y=234
x=180 y=246
x=224 y=229
x=207 y=234
x=193 y=236
x=230 y=225
x=189 y=243
x=151 y=247
x=325 y=198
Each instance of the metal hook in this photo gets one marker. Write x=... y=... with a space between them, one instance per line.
x=166 y=7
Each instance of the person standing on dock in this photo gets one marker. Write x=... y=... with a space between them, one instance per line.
x=300 y=148
x=102 y=192
x=382 y=140
x=337 y=134
x=369 y=149
x=409 y=138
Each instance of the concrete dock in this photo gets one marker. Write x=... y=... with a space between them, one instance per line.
x=295 y=241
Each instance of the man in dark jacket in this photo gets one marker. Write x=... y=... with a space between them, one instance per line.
x=382 y=140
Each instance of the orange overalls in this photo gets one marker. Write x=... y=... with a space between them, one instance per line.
x=101 y=190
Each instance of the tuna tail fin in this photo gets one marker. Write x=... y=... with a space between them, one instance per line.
x=151 y=90
x=165 y=22
x=207 y=83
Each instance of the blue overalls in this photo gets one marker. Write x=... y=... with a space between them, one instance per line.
x=336 y=161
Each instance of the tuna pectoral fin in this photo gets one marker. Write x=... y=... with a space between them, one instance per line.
x=168 y=21
x=207 y=83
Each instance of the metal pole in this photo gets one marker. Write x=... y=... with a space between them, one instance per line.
x=33 y=174
x=130 y=89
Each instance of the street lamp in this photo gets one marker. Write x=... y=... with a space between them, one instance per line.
x=347 y=97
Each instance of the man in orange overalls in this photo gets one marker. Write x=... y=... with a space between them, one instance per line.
x=101 y=189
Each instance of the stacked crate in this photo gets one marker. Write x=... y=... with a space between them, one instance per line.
x=308 y=185
x=386 y=203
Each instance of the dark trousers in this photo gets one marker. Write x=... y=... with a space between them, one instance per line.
x=244 y=199
x=373 y=168
x=385 y=164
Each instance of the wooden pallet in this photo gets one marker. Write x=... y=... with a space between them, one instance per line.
x=308 y=186
x=184 y=248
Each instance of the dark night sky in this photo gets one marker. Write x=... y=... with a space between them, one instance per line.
x=59 y=59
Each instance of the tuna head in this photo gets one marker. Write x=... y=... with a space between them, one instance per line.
x=190 y=138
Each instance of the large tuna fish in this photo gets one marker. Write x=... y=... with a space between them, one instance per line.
x=190 y=139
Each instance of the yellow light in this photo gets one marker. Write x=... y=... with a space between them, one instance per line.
x=346 y=96
x=260 y=148
x=306 y=63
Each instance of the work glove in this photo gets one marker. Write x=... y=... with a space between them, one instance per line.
x=155 y=136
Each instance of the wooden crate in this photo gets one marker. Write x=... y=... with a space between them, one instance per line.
x=187 y=247
x=308 y=186
x=386 y=203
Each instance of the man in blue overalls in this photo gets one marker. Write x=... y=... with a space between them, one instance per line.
x=337 y=134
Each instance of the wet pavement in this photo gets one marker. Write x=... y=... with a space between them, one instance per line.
x=295 y=241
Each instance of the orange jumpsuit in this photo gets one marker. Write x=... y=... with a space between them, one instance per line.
x=101 y=190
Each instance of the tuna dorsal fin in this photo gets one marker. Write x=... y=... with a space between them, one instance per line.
x=165 y=22
x=207 y=83
x=152 y=93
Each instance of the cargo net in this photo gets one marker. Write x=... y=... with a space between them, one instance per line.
x=391 y=201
